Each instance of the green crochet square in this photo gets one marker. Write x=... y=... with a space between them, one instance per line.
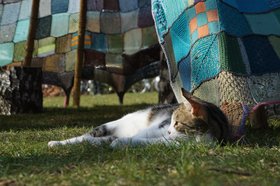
x=115 y=43
x=230 y=55
x=19 y=52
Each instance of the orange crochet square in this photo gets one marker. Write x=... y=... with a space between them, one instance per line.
x=203 y=31
x=200 y=7
x=193 y=24
x=212 y=15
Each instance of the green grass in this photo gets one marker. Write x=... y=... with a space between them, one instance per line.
x=25 y=158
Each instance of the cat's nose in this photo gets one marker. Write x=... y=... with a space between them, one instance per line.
x=169 y=132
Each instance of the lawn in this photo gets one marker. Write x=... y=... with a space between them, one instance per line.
x=25 y=158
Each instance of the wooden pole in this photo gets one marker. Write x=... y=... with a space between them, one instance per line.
x=31 y=34
x=80 y=54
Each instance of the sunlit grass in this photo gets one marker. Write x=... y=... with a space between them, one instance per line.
x=25 y=158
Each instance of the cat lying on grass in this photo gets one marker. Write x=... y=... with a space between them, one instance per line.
x=160 y=124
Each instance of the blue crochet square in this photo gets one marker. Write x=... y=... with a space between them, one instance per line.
x=262 y=57
x=99 y=42
x=232 y=21
x=202 y=19
x=59 y=6
x=128 y=5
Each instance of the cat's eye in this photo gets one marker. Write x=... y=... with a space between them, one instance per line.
x=176 y=124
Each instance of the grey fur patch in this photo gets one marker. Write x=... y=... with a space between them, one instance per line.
x=100 y=131
x=164 y=123
x=161 y=109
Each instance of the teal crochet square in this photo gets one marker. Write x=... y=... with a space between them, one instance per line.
x=202 y=19
x=194 y=36
x=264 y=24
x=213 y=27
x=191 y=13
x=185 y=73
x=6 y=53
x=211 y=5
x=232 y=21
x=22 y=30
x=60 y=24
x=180 y=37
x=99 y=42
x=173 y=9
x=204 y=60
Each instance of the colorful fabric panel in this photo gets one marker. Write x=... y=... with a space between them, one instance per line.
x=87 y=41
x=207 y=37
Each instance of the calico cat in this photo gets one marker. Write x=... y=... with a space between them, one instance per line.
x=160 y=124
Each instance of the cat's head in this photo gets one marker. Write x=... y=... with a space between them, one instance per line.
x=197 y=117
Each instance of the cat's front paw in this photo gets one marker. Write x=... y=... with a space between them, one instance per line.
x=53 y=143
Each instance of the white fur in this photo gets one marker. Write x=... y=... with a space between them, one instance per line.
x=132 y=129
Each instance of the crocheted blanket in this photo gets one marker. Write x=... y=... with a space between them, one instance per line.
x=208 y=42
x=115 y=31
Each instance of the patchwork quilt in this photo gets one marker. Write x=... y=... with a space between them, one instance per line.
x=115 y=31
x=222 y=50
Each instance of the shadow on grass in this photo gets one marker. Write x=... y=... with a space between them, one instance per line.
x=57 y=160
x=268 y=137
x=70 y=117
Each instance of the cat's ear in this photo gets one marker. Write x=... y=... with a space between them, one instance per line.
x=196 y=103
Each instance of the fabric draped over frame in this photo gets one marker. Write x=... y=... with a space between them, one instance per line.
x=115 y=29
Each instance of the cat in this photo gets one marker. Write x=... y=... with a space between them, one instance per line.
x=162 y=124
